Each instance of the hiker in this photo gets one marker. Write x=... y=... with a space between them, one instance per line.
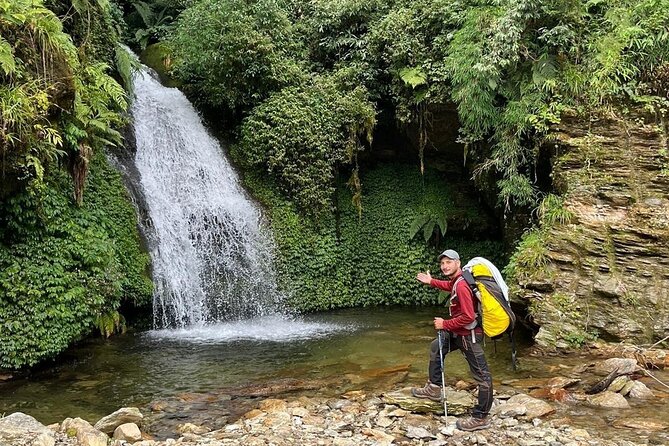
x=458 y=337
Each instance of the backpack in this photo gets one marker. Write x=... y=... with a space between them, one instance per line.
x=494 y=313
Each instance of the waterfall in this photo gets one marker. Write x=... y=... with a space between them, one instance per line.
x=211 y=260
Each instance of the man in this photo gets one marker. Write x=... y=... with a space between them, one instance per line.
x=462 y=333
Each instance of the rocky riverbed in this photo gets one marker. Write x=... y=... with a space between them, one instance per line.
x=546 y=414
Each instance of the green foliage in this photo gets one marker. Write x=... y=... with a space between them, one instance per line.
x=302 y=135
x=156 y=24
x=53 y=102
x=429 y=226
x=552 y=211
x=530 y=256
x=64 y=267
x=234 y=53
x=110 y=323
x=350 y=261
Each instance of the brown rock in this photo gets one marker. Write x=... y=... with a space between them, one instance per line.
x=643 y=424
x=273 y=405
x=253 y=414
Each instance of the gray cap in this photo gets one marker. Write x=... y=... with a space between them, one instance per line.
x=450 y=254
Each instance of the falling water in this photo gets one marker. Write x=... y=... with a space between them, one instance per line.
x=210 y=258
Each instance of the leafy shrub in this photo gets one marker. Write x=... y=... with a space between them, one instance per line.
x=63 y=266
x=303 y=134
x=234 y=53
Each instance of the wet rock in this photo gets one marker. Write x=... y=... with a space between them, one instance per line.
x=619 y=383
x=640 y=424
x=560 y=382
x=624 y=366
x=458 y=402
x=609 y=399
x=127 y=432
x=639 y=390
x=21 y=429
x=124 y=415
x=555 y=394
x=86 y=434
x=523 y=406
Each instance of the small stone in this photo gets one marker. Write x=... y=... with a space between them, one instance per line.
x=448 y=430
x=399 y=413
x=254 y=413
x=378 y=435
x=580 y=434
x=190 y=428
x=127 y=432
x=300 y=412
x=384 y=422
x=273 y=405
x=509 y=422
x=355 y=395
x=418 y=432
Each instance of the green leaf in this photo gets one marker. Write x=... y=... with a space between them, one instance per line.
x=413 y=76
x=428 y=229
x=7 y=62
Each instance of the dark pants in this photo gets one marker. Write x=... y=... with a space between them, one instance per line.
x=473 y=353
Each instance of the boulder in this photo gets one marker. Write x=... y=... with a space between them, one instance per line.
x=625 y=366
x=639 y=390
x=458 y=402
x=86 y=434
x=609 y=399
x=523 y=406
x=124 y=415
x=23 y=430
x=128 y=432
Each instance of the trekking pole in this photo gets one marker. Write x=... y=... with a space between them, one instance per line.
x=441 y=361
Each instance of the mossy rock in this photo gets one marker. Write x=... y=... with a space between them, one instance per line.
x=458 y=402
x=157 y=56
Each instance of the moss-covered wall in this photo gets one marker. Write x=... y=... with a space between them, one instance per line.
x=65 y=268
x=350 y=260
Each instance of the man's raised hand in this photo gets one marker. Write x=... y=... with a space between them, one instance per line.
x=425 y=277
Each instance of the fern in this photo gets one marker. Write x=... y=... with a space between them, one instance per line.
x=126 y=65
x=110 y=323
x=7 y=61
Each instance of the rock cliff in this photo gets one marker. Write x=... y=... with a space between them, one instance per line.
x=604 y=272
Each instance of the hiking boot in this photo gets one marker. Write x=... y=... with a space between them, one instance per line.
x=430 y=391
x=473 y=424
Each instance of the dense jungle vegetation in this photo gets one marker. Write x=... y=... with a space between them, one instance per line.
x=305 y=89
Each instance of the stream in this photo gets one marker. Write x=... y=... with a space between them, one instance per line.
x=216 y=373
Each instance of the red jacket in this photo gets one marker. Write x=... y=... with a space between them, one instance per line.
x=462 y=305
